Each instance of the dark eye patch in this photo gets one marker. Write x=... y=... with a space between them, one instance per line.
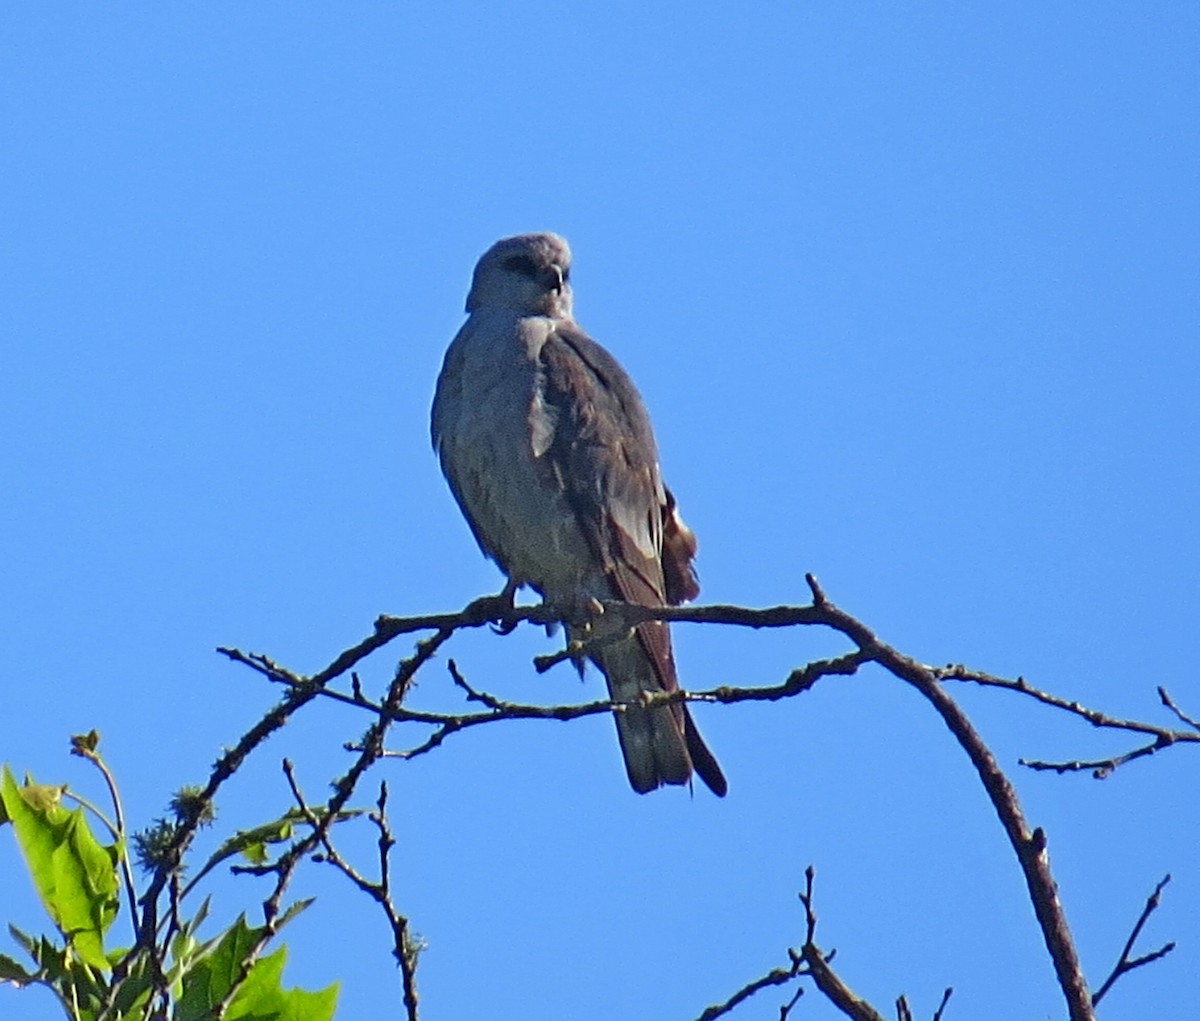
x=522 y=264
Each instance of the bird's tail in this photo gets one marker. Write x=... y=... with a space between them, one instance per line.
x=661 y=744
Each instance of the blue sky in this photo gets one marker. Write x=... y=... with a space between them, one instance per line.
x=912 y=292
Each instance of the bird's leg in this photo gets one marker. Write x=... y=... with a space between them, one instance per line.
x=497 y=609
x=587 y=628
x=583 y=616
x=575 y=638
x=502 y=607
x=580 y=613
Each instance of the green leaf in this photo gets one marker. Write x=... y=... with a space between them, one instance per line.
x=60 y=969
x=85 y=745
x=132 y=995
x=75 y=876
x=28 y=943
x=11 y=971
x=252 y=844
x=293 y=911
x=211 y=978
x=185 y=946
x=41 y=797
x=261 y=997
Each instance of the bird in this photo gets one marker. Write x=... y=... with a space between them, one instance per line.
x=548 y=449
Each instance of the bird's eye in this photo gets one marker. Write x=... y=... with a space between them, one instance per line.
x=523 y=265
x=566 y=274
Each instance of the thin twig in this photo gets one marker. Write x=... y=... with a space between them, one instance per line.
x=404 y=948
x=1165 y=697
x=1126 y=963
x=937 y=1014
x=499 y=709
x=1100 y=768
x=776 y=977
x=826 y=979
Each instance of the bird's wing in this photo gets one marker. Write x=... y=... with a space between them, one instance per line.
x=599 y=446
x=451 y=404
x=603 y=455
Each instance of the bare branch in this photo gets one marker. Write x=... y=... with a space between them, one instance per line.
x=1166 y=700
x=405 y=948
x=1126 y=963
x=904 y=1012
x=499 y=709
x=809 y=961
x=826 y=979
x=472 y=695
x=777 y=977
x=1028 y=843
x=1101 y=768
x=937 y=1014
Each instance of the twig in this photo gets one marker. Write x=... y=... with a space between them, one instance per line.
x=404 y=948
x=490 y=701
x=499 y=709
x=937 y=1014
x=809 y=961
x=1101 y=768
x=86 y=746
x=775 y=977
x=826 y=979
x=1166 y=700
x=1126 y=963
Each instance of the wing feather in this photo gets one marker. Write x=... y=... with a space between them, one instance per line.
x=604 y=453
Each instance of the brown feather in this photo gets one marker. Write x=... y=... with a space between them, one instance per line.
x=679 y=548
x=604 y=455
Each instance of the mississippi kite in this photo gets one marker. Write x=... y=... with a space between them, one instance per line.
x=548 y=449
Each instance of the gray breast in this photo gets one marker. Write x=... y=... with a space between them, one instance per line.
x=492 y=429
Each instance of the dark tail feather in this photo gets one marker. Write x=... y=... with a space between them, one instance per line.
x=651 y=742
x=660 y=745
x=654 y=753
x=704 y=762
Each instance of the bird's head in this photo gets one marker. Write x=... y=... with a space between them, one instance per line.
x=529 y=273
